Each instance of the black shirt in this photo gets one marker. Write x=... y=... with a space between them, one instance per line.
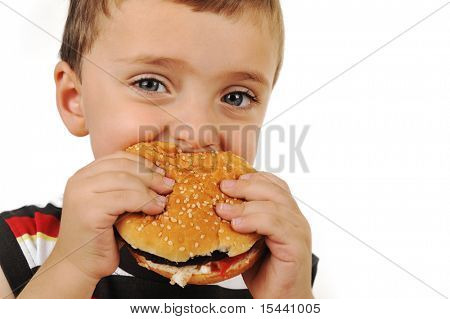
x=142 y=284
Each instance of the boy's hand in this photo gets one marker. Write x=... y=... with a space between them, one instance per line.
x=93 y=199
x=270 y=210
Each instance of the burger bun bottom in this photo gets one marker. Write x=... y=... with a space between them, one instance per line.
x=203 y=275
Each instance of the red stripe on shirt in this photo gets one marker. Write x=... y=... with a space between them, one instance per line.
x=43 y=223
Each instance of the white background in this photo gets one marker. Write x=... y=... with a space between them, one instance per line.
x=378 y=148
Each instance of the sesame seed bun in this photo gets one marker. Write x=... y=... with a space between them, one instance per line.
x=189 y=226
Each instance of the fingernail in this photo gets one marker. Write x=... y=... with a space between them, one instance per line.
x=161 y=200
x=169 y=182
x=224 y=207
x=236 y=221
x=228 y=183
x=245 y=176
x=160 y=171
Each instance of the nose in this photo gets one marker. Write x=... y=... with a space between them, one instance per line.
x=195 y=128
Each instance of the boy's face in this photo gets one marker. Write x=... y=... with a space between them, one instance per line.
x=159 y=67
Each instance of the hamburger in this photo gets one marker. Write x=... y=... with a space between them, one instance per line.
x=189 y=243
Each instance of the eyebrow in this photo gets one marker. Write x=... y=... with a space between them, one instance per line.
x=251 y=75
x=173 y=63
x=154 y=60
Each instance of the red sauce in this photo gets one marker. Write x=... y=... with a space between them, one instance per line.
x=223 y=265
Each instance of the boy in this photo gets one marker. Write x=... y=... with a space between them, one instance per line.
x=161 y=63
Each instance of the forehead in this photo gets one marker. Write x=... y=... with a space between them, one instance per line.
x=207 y=41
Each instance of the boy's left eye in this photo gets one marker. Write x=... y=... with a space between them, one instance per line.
x=239 y=99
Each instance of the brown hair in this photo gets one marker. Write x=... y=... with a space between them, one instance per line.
x=81 y=29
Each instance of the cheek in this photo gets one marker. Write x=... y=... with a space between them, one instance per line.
x=243 y=142
x=116 y=122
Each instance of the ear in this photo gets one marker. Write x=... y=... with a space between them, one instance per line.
x=68 y=99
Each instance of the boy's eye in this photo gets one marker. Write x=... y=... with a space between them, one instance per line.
x=151 y=85
x=239 y=99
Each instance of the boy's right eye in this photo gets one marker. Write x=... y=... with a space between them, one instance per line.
x=150 y=85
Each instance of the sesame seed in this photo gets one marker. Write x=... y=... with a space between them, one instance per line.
x=128 y=221
x=168 y=227
x=189 y=215
x=197 y=227
x=161 y=225
x=160 y=234
x=173 y=219
x=220 y=230
x=191 y=254
x=196 y=245
x=154 y=223
x=202 y=236
x=177 y=201
x=170 y=243
x=205 y=220
x=216 y=223
x=227 y=238
x=181 y=248
x=165 y=238
x=189 y=210
x=192 y=224
x=183 y=225
x=195 y=186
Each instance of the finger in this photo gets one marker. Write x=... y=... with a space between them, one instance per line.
x=130 y=156
x=121 y=201
x=263 y=223
x=125 y=168
x=255 y=190
x=285 y=241
x=265 y=176
x=230 y=211
x=115 y=181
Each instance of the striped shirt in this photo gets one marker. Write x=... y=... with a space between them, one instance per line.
x=28 y=236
